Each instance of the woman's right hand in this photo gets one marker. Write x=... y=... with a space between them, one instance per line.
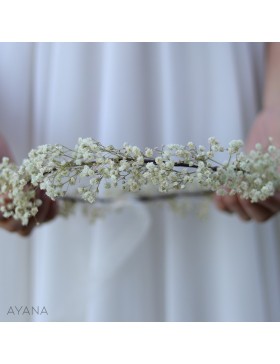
x=46 y=212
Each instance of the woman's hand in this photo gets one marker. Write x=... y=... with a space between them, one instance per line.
x=260 y=211
x=267 y=124
x=46 y=212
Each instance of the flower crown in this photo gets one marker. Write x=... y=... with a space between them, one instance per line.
x=91 y=166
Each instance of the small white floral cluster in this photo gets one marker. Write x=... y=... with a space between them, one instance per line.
x=55 y=168
x=17 y=198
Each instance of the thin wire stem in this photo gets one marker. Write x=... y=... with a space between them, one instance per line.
x=143 y=198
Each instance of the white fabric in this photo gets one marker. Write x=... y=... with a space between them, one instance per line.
x=144 y=263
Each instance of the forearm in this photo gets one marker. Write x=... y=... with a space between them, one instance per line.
x=271 y=95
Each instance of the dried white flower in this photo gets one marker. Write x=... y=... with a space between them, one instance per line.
x=174 y=167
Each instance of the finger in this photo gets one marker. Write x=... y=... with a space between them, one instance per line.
x=232 y=203
x=50 y=208
x=46 y=212
x=43 y=209
x=10 y=224
x=255 y=210
x=53 y=211
x=26 y=230
x=271 y=204
x=39 y=217
x=220 y=204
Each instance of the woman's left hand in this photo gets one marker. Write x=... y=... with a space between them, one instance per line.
x=267 y=124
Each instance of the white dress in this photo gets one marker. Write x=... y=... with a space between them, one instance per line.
x=144 y=263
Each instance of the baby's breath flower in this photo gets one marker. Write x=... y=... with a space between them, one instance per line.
x=271 y=149
x=149 y=152
x=55 y=168
x=234 y=146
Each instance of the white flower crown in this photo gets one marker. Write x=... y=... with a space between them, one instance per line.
x=90 y=165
